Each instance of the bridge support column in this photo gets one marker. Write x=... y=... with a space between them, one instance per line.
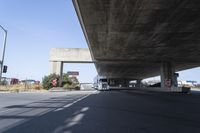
x=55 y=67
x=125 y=82
x=139 y=83
x=61 y=74
x=168 y=75
x=128 y=82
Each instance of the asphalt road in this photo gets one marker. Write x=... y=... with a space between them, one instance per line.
x=100 y=112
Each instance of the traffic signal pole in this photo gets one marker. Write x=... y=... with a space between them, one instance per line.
x=3 y=52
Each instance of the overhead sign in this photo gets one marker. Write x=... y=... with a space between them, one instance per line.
x=74 y=73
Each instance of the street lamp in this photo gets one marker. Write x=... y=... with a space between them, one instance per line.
x=4 y=48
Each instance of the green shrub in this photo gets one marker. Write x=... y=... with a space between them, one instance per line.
x=47 y=80
x=72 y=86
x=66 y=80
x=77 y=87
x=67 y=86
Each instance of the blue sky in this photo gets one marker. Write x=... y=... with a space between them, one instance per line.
x=36 y=26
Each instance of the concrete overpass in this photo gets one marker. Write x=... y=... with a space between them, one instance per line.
x=137 y=39
x=59 y=56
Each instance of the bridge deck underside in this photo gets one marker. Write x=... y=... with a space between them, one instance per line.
x=130 y=38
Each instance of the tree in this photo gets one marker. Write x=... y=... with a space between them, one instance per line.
x=47 y=80
x=72 y=84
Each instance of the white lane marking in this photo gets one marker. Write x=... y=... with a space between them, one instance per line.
x=77 y=118
x=84 y=109
x=70 y=104
x=3 y=111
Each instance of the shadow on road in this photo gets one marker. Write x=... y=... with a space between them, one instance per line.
x=56 y=119
x=114 y=112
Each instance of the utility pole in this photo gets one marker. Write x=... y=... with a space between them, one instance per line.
x=3 y=52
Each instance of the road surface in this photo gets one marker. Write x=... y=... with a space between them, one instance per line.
x=100 y=112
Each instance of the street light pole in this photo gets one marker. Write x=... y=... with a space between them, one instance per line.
x=4 y=48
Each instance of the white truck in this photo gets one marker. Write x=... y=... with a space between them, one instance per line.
x=100 y=83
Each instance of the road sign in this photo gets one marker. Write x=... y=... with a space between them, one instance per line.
x=73 y=73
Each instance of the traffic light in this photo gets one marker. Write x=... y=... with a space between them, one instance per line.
x=5 y=69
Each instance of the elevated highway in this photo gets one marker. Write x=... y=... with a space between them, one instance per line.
x=137 y=39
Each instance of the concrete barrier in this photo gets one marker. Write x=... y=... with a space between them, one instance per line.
x=154 y=89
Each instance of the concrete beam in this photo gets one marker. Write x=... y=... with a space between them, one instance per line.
x=71 y=55
x=59 y=56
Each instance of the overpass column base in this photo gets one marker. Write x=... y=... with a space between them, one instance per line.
x=127 y=82
x=168 y=75
x=56 y=67
x=139 y=83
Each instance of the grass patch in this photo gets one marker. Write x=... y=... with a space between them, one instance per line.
x=22 y=88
